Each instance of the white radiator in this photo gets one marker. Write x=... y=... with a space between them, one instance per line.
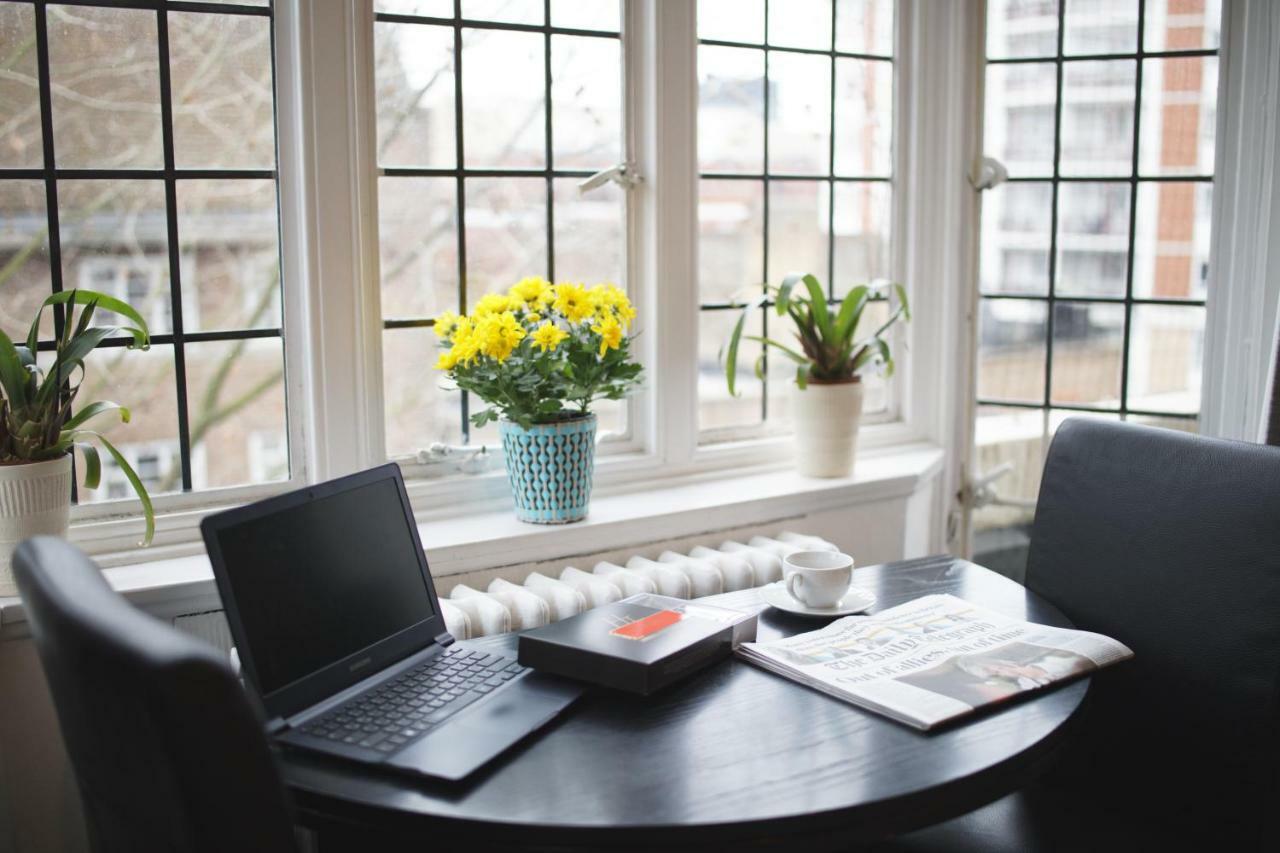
x=506 y=606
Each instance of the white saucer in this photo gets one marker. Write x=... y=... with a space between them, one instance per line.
x=855 y=601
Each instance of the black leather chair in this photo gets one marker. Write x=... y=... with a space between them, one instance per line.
x=1170 y=543
x=168 y=752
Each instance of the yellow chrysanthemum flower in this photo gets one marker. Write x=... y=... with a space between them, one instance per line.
x=532 y=291
x=499 y=334
x=445 y=324
x=610 y=332
x=609 y=298
x=447 y=360
x=533 y=317
x=573 y=302
x=548 y=336
x=494 y=303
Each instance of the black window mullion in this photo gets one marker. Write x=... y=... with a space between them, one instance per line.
x=831 y=167
x=764 y=285
x=1051 y=302
x=465 y=403
x=1133 y=209
x=550 y=181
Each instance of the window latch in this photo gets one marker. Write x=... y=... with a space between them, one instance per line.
x=988 y=173
x=622 y=174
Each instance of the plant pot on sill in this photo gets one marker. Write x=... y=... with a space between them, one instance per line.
x=827 y=416
x=550 y=467
x=35 y=499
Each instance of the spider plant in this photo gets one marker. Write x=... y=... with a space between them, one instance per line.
x=826 y=331
x=38 y=418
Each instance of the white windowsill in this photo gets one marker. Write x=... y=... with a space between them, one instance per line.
x=170 y=587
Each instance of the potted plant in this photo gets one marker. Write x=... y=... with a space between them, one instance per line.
x=539 y=355
x=830 y=361
x=41 y=422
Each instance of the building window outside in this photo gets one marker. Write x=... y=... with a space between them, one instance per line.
x=137 y=155
x=1094 y=256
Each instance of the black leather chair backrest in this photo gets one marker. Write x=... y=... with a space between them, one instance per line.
x=1170 y=543
x=168 y=752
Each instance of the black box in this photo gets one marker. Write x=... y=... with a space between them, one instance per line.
x=640 y=644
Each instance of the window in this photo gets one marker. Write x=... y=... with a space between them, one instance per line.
x=1094 y=255
x=489 y=113
x=795 y=151
x=137 y=156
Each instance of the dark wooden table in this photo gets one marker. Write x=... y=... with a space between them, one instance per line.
x=733 y=757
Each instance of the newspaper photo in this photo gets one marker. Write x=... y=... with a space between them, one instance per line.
x=933 y=659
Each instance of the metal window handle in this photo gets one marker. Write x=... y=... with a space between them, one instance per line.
x=988 y=173
x=622 y=174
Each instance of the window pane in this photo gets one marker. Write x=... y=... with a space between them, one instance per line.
x=1182 y=24
x=800 y=23
x=1191 y=425
x=590 y=234
x=235 y=406
x=730 y=239
x=506 y=227
x=1165 y=358
x=418 y=239
x=864 y=117
x=864 y=26
x=1171 y=243
x=1018 y=126
x=104 y=68
x=1088 y=347
x=798 y=233
x=230 y=255
x=1093 y=239
x=1097 y=118
x=414 y=71
x=605 y=15
x=1016 y=436
x=1022 y=28
x=222 y=91
x=1178 y=116
x=511 y=11
x=504 y=97
x=24 y=257
x=1100 y=26
x=20 y=138
x=730 y=109
x=799 y=113
x=716 y=407
x=417 y=410
x=862 y=233
x=731 y=20
x=428 y=8
x=1011 y=350
x=586 y=102
x=1016 y=219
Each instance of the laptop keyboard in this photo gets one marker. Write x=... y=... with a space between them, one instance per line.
x=405 y=708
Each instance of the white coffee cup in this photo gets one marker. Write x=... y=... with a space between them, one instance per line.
x=818 y=578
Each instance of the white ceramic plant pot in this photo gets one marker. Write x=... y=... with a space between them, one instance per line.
x=35 y=499
x=827 y=416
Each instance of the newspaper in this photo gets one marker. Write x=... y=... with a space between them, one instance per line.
x=933 y=659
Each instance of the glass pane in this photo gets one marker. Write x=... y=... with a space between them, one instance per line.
x=236 y=412
x=586 y=102
x=510 y=11
x=429 y=8
x=24 y=256
x=800 y=23
x=1011 y=350
x=730 y=110
x=144 y=382
x=798 y=232
x=730 y=240
x=1097 y=118
x=418 y=239
x=1182 y=24
x=504 y=98
x=864 y=117
x=799 y=113
x=731 y=20
x=1088 y=347
x=21 y=143
x=230 y=255
x=605 y=15
x=1191 y=425
x=418 y=412
x=506 y=233
x=1093 y=239
x=611 y=419
x=1021 y=28
x=114 y=238
x=1016 y=219
x=104 y=67
x=862 y=231
x=1100 y=26
x=223 y=112
x=1007 y=435
x=414 y=73
x=1165 y=358
x=1018 y=125
x=590 y=235
x=716 y=408
x=864 y=26
x=875 y=388
x=1171 y=243
x=1179 y=98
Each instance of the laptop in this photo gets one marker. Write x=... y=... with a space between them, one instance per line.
x=338 y=629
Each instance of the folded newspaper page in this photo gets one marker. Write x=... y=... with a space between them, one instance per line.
x=933 y=659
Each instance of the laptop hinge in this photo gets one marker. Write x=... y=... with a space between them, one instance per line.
x=276 y=726
x=445 y=639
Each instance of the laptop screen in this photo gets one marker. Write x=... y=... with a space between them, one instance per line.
x=320 y=581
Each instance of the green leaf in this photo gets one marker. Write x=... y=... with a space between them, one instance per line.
x=140 y=490
x=851 y=308
x=93 y=410
x=821 y=316
x=13 y=376
x=802 y=375
x=783 y=299
x=92 y=464
x=730 y=357
x=798 y=358
x=102 y=302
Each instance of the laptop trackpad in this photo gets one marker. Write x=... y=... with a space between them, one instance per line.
x=489 y=727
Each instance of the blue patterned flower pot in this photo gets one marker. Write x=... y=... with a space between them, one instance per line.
x=550 y=468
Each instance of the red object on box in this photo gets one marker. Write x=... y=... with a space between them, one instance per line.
x=649 y=625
